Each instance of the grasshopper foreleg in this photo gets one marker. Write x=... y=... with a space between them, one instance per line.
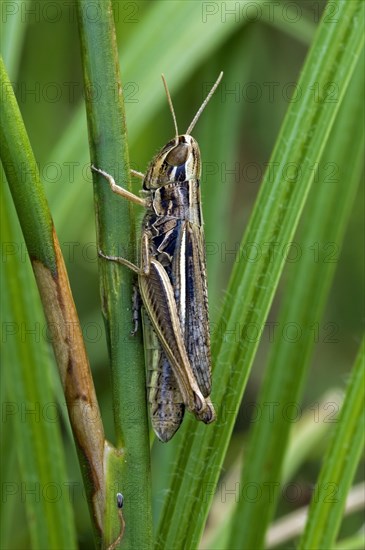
x=120 y=190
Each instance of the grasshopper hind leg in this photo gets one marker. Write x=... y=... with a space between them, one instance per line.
x=136 y=309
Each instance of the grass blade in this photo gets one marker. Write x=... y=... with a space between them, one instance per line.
x=49 y=269
x=339 y=465
x=305 y=297
x=27 y=408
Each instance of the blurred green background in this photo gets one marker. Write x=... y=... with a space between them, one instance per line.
x=261 y=54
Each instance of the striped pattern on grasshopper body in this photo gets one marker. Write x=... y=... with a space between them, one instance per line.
x=172 y=283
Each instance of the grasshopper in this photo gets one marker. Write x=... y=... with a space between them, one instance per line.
x=172 y=281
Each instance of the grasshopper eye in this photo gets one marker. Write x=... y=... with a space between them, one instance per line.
x=178 y=155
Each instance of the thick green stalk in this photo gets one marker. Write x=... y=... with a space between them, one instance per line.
x=109 y=151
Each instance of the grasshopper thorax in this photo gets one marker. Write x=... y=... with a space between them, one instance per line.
x=178 y=160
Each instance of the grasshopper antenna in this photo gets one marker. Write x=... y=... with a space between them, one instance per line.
x=204 y=104
x=170 y=104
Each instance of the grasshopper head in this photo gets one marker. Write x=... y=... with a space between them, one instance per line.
x=178 y=160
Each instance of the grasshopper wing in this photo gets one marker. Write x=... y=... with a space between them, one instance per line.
x=159 y=301
x=190 y=280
